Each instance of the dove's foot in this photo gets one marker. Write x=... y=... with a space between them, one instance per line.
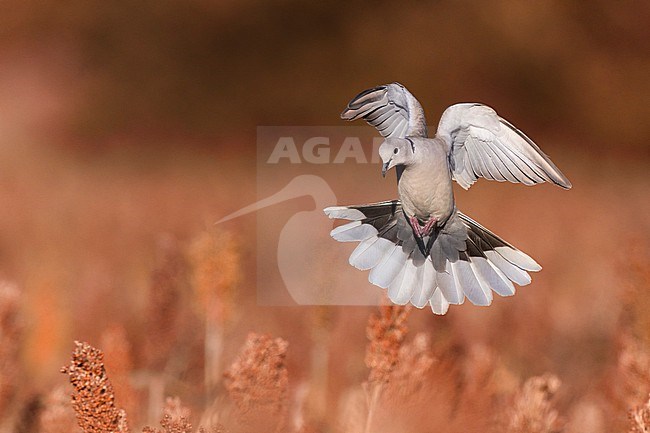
x=428 y=227
x=415 y=225
x=422 y=231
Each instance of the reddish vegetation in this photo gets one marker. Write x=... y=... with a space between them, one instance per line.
x=93 y=398
x=10 y=334
x=532 y=410
x=569 y=353
x=128 y=128
x=171 y=312
x=258 y=383
x=412 y=383
x=386 y=332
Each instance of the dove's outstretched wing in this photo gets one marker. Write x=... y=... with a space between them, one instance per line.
x=482 y=144
x=465 y=260
x=389 y=108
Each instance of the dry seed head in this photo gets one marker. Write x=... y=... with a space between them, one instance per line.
x=533 y=411
x=386 y=332
x=640 y=419
x=414 y=362
x=634 y=369
x=258 y=380
x=176 y=418
x=175 y=409
x=170 y=425
x=92 y=398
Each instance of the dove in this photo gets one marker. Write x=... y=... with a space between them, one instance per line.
x=420 y=247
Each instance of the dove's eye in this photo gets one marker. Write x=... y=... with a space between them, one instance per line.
x=395 y=150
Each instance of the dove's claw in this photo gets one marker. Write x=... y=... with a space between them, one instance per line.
x=427 y=230
x=422 y=231
x=415 y=225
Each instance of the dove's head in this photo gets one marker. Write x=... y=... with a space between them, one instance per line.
x=396 y=151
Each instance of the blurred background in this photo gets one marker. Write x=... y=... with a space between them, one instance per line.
x=127 y=128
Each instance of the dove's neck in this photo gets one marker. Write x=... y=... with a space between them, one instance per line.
x=425 y=187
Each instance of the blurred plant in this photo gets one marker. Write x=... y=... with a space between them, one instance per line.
x=181 y=425
x=176 y=419
x=166 y=321
x=176 y=409
x=170 y=425
x=216 y=269
x=315 y=393
x=640 y=419
x=10 y=338
x=26 y=419
x=629 y=385
x=163 y=313
x=119 y=363
x=415 y=359
x=636 y=304
x=258 y=382
x=483 y=381
x=532 y=411
x=479 y=367
x=93 y=398
x=386 y=332
x=57 y=415
x=413 y=385
x=633 y=372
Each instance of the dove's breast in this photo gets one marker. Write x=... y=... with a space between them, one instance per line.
x=425 y=187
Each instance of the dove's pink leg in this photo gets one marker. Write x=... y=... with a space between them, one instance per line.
x=415 y=224
x=428 y=227
x=422 y=231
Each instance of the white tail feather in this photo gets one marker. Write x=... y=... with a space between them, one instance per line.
x=494 y=277
x=401 y=289
x=369 y=253
x=353 y=232
x=427 y=285
x=517 y=258
x=342 y=212
x=388 y=268
x=439 y=304
x=470 y=286
x=513 y=272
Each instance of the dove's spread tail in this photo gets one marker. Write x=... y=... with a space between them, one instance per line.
x=466 y=259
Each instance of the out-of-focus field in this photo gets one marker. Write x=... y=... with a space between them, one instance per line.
x=127 y=130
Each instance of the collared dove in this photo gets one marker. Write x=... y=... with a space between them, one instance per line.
x=420 y=247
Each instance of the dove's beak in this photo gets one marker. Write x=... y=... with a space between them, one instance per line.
x=385 y=168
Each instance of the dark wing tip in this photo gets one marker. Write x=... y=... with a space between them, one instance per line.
x=355 y=102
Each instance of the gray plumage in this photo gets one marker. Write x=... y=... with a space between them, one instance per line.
x=420 y=247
